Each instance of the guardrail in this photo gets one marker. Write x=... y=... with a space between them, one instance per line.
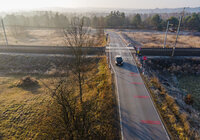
x=50 y=49
x=168 y=51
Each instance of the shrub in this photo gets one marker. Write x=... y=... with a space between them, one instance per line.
x=175 y=109
x=188 y=99
x=162 y=92
x=183 y=117
x=172 y=118
x=170 y=100
x=164 y=107
x=156 y=83
x=186 y=127
x=27 y=82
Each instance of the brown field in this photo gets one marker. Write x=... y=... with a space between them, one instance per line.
x=151 y=39
x=39 y=37
x=22 y=112
x=43 y=37
x=31 y=113
x=28 y=113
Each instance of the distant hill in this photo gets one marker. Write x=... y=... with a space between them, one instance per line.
x=103 y=11
x=142 y=11
x=165 y=10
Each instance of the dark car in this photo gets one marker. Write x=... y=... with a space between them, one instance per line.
x=118 y=60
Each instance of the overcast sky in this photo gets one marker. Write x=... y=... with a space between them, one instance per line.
x=6 y=5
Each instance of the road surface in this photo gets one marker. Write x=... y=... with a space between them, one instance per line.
x=139 y=119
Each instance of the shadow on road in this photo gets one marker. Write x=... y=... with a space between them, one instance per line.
x=140 y=131
x=129 y=67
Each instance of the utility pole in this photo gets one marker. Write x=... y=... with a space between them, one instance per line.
x=4 y=32
x=178 y=30
x=166 y=34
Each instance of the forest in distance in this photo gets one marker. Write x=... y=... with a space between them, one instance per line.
x=114 y=19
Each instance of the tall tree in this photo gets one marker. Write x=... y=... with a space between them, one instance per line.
x=137 y=21
x=174 y=21
x=157 y=22
x=194 y=22
x=78 y=36
x=115 y=19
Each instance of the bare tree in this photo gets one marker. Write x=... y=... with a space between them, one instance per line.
x=83 y=119
x=78 y=37
x=80 y=123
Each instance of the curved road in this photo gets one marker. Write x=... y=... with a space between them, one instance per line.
x=138 y=117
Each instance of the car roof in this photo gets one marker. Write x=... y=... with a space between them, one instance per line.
x=118 y=56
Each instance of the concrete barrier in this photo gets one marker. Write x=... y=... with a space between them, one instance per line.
x=50 y=49
x=168 y=52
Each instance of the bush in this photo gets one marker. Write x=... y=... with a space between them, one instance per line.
x=188 y=99
x=175 y=109
x=27 y=82
x=156 y=83
x=176 y=122
x=172 y=118
x=170 y=100
x=183 y=117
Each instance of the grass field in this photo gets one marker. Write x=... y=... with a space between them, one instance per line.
x=21 y=110
x=151 y=39
x=31 y=113
x=39 y=37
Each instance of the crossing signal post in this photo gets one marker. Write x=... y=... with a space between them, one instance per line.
x=138 y=51
x=144 y=58
x=106 y=37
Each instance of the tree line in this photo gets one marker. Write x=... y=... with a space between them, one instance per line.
x=156 y=21
x=114 y=19
x=40 y=19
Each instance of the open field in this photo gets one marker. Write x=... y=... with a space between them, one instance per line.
x=153 y=39
x=39 y=37
x=45 y=65
x=22 y=112
x=22 y=36
x=28 y=113
x=31 y=113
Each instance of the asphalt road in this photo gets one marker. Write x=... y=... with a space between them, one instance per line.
x=139 y=118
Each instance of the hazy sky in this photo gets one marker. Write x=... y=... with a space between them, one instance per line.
x=32 y=4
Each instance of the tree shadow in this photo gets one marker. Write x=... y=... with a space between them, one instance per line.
x=28 y=83
x=33 y=89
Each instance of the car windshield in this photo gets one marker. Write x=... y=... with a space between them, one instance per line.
x=119 y=59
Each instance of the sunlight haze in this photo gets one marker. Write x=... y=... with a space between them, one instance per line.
x=142 y=4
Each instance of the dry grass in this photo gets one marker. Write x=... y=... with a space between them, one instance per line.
x=40 y=37
x=176 y=121
x=32 y=114
x=148 y=40
x=21 y=111
x=99 y=86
